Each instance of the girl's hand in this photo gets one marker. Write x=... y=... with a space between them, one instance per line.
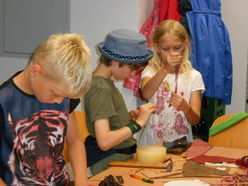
x=179 y=102
x=173 y=61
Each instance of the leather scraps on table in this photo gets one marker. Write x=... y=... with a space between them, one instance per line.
x=193 y=169
x=242 y=162
x=197 y=148
x=235 y=179
x=111 y=181
x=212 y=159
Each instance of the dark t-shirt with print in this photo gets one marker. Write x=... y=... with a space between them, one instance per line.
x=32 y=137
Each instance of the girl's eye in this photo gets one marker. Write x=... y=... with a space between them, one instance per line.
x=178 y=48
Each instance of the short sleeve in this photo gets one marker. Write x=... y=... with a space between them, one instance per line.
x=73 y=104
x=100 y=105
x=147 y=72
x=197 y=83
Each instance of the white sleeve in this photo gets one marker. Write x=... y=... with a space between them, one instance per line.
x=147 y=72
x=197 y=83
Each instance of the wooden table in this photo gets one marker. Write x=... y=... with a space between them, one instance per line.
x=178 y=164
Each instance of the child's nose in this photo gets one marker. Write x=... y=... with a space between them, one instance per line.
x=174 y=52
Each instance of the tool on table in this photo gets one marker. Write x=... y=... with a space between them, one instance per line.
x=137 y=164
x=169 y=167
x=141 y=178
x=167 y=159
x=165 y=176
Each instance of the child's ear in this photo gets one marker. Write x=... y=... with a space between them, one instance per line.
x=155 y=46
x=186 y=43
x=36 y=70
x=115 y=64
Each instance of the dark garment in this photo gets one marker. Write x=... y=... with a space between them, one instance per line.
x=184 y=6
x=211 y=49
x=32 y=137
x=95 y=154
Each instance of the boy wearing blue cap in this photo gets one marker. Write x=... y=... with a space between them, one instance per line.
x=110 y=125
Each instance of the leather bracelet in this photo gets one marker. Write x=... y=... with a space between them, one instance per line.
x=134 y=126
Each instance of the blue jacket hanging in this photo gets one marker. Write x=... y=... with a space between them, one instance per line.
x=211 y=49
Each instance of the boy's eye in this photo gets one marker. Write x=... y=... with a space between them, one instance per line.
x=56 y=96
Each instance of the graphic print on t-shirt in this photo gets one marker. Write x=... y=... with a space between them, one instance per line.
x=38 y=143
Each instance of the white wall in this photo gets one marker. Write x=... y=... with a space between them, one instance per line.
x=234 y=15
x=8 y=66
x=94 y=19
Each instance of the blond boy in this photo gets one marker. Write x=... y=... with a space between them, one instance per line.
x=36 y=114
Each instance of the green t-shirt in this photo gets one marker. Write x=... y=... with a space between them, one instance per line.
x=104 y=100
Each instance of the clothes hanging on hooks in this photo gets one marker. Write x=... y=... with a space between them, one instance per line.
x=211 y=49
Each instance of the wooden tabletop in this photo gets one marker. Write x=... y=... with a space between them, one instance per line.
x=178 y=161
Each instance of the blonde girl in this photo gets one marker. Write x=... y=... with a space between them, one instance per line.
x=172 y=84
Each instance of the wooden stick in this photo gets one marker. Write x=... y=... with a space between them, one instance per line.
x=136 y=165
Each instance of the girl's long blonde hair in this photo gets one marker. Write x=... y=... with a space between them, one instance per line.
x=178 y=30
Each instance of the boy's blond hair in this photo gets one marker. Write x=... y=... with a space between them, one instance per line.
x=175 y=28
x=65 y=58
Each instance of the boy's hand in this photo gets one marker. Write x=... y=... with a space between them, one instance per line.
x=134 y=114
x=145 y=111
